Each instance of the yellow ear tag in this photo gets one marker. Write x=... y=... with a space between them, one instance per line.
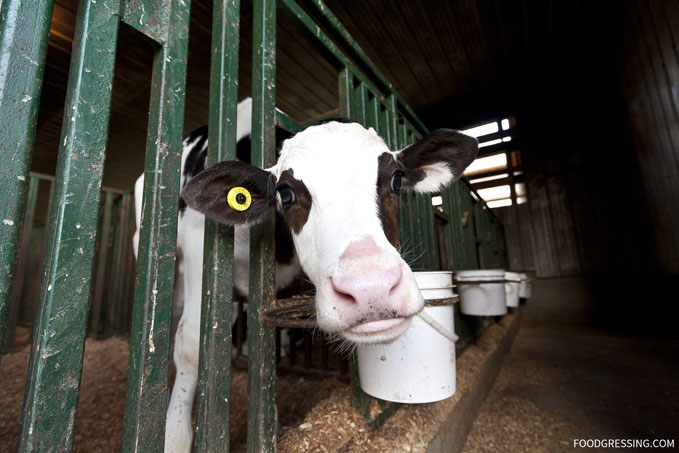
x=239 y=198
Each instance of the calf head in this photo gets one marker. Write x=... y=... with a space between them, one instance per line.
x=337 y=185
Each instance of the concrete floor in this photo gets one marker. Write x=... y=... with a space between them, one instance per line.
x=567 y=377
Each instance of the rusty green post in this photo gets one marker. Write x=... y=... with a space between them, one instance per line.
x=22 y=264
x=24 y=33
x=261 y=339
x=146 y=398
x=345 y=90
x=53 y=381
x=212 y=430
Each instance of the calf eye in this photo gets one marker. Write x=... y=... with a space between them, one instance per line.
x=285 y=196
x=396 y=181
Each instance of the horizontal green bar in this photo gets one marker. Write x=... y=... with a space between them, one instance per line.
x=287 y=123
x=149 y=17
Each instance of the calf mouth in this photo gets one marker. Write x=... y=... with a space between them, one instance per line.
x=377 y=331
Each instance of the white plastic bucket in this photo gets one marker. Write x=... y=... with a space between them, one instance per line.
x=484 y=298
x=512 y=285
x=435 y=285
x=417 y=367
x=525 y=287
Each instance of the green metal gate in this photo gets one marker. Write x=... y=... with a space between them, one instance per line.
x=52 y=390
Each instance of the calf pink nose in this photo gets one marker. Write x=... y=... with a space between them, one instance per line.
x=368 y=286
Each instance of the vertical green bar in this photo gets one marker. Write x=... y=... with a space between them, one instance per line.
x=408 y=236
x=117 y=267
x=261 y=339
x=24 y=33
x=383 y=124
x=53 y=381
x=101 y=267
x=212 y=426
x=360 y=103
x=372 y=114
x=345 y=90
x=431 y=254
x=147 y=375
x=393 y=122
x=22 y=264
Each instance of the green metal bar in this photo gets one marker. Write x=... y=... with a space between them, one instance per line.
x=149 y=17
x=371 y=113
x=150 y=338
x=479 y=234
x=360 y=102
x=451 y=207
x=345 y=91
x=469 y=230
x=118 y=260
x=407 y=232
x=287 y=123
x=262 y=339
x=130 y=273
x=24 y=33
x=22 y=264
x=383 y=123
x=393 y=123
x=53 y=381
x=212 y=427
x=431 y=254
x=102 y=258
x=419 y=244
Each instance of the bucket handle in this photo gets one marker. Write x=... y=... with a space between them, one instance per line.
x=437 y=326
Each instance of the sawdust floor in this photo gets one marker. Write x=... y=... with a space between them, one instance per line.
x=315 y=413
x=567 y=378
x=99 y=422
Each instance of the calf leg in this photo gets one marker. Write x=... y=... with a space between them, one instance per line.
x=178 y=430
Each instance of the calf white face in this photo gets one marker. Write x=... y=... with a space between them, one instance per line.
x=337 y=185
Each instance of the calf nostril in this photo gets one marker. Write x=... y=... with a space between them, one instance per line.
x=343 y=294
x=398 y=277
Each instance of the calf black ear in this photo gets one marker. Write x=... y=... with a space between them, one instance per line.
x=233 y=193
x=438 y=159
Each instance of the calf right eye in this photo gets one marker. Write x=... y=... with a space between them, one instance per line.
x=286 y=196
x=396 y=181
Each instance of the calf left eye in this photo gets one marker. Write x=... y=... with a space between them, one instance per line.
x=396 y=181
x=286 y=196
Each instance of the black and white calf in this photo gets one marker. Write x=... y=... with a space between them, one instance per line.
x=336 y=187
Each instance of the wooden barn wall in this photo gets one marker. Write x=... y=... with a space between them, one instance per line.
x=516 y=220
x=650 y=85
x=600 y=145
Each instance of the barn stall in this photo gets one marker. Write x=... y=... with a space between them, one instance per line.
x=313 y=61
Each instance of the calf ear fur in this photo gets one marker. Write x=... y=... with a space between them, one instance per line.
x=436 y=160
x=207 y=192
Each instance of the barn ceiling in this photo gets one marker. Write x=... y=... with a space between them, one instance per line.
x=449 y=59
